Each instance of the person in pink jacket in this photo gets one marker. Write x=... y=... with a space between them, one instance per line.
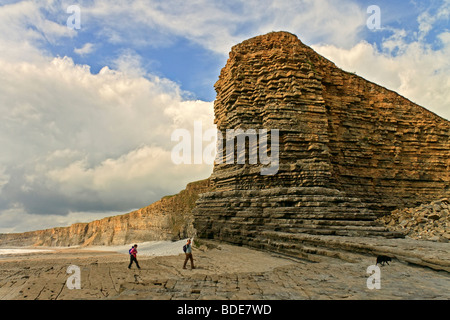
x=133 y=253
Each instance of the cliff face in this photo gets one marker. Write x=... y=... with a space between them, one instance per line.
x=167 y=219
x=349 y=150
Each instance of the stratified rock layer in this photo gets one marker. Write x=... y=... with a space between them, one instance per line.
x=349 y=150
x=167 y=219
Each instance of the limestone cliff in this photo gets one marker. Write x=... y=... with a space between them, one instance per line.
x=167 y=219
x=349 y=150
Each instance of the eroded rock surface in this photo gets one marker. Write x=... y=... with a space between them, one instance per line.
x=429 y=221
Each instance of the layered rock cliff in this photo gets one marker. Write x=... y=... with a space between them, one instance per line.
x=167 y=219
x=349 y=150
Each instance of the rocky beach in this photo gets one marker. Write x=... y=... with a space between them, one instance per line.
x=223 y=271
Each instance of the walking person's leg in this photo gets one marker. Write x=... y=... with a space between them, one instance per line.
x=132 y=258
x=137 y=263
x=189 y=257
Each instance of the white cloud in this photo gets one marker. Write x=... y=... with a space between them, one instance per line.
x=218 y=25
x=337 y=23
x=129 y=62
x=77 y=141
x=25 y=28
x=427 y=20
x=86 y=49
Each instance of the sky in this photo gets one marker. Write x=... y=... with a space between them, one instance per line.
x=91 y=91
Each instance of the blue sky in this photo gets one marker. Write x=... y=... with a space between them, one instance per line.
x=87 y=114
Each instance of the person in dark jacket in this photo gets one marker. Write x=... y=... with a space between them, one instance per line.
x=133 y=253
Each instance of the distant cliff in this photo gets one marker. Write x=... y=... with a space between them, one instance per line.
x=167 y=219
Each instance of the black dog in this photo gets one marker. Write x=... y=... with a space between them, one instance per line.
x=383 y=259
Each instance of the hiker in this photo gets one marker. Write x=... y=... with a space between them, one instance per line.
x=188 y=252
x=133 y=253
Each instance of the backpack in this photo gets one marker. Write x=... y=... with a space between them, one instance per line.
x=129 y=251
x=184 y=248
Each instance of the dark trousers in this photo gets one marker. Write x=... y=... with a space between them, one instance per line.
x=189 y=257
x=133 y=258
